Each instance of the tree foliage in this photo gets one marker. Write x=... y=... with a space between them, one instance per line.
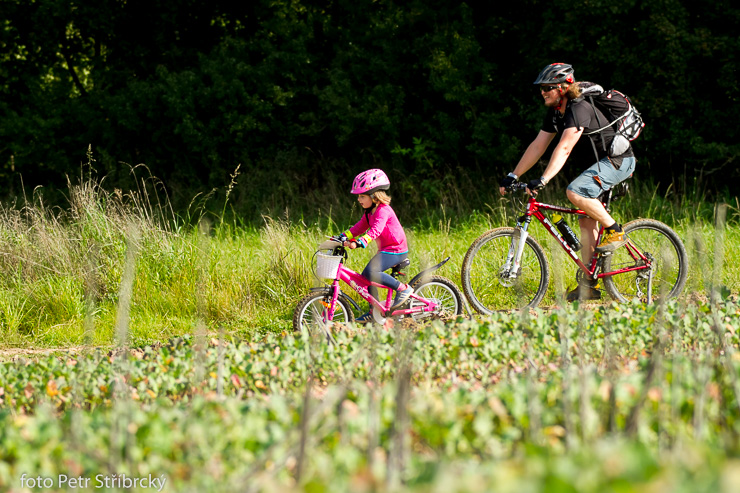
x=194 y=88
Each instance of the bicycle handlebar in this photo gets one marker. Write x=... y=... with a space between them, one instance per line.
x=606 y=197
x=329 y=244
x=517 y=186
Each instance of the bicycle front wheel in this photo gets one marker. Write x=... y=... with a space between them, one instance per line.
x=443 y=292
x=667 y=254
x=487 y=277
x=311 y=315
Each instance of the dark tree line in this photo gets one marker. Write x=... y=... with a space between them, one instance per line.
x=310 y=91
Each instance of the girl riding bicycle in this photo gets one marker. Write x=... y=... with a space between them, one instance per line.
x=379 y=223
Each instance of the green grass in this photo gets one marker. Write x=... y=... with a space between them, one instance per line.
x=61 y=270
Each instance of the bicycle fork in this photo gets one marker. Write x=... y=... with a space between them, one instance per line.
x=328 y=315
x=513 y=264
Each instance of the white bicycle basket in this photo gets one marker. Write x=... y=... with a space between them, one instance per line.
x=327 y=265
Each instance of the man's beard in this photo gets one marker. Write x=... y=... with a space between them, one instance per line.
x=553 y=103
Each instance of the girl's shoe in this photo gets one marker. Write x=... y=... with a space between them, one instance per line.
x=402 y=297
x=364 y=318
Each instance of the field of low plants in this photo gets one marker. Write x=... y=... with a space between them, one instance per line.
x=137 y=345
x=617 y=398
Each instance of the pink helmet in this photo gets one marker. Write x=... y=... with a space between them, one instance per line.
x=370 y=181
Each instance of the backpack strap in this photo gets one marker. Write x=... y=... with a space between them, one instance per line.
x=588 y=90
x=578 y=126
x=598 y=122
x=608 y=125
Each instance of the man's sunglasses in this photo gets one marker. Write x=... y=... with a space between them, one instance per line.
x=547 y=88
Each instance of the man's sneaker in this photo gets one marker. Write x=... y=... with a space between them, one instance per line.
x=402 y=297
x=611 y=241
x=584 y=292
x=364 y=318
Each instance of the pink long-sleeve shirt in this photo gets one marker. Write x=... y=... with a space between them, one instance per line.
x=383 y=227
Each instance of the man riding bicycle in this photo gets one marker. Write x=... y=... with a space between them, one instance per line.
x=571 y=116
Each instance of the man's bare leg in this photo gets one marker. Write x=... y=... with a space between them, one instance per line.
x=589 y=226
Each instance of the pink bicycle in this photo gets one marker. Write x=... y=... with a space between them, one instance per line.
x=507 y=269
x=317 y=312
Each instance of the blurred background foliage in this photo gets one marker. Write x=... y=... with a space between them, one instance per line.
x=303 y=94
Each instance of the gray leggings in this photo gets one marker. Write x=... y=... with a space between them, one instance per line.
x=374 y=270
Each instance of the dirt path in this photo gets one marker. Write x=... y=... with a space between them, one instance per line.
x=15 y=353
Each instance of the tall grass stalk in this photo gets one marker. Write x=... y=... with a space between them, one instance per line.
x=305 y=414
x=719 y=247
x=125 y=293
x=532 y=386
x=566 y=369
x=584 y=395
x=229 y=189
x=399 y=452
x=652 y=373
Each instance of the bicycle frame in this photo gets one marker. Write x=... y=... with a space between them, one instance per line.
x=360 y=284
x=535 y=209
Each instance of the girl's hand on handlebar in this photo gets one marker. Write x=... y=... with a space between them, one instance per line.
x=350 y=244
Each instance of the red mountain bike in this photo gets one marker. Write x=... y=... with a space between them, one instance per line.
x=507 y=269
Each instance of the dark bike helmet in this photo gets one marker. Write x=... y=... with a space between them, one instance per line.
x=556 y=73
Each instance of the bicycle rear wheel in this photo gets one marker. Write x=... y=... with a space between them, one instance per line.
x=486 y=277
x=311 y=313
x=444 y=292
x=666 y=251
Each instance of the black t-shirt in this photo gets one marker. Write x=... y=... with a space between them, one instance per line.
x=579 y=113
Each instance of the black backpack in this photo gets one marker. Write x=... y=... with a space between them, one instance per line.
x=620 y=112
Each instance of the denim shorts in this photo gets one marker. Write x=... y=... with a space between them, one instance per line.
x=601 y=177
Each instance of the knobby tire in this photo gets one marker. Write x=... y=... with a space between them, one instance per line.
x=484 y=288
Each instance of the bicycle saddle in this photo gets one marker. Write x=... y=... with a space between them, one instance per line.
x=614 y=193
x=401 y=265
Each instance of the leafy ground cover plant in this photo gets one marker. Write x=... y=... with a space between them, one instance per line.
x=632 y=395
